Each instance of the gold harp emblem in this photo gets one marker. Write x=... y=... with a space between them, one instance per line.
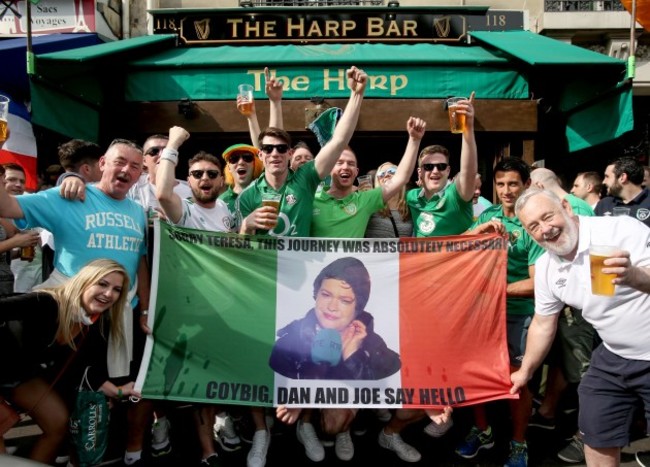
x=442 y=26
x=202 y=28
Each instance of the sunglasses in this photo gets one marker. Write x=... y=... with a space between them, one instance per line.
x=440 y=166
x=154 y=151
x=281 y=148
x=198 y=174
x=246 y=157
x=390 y=171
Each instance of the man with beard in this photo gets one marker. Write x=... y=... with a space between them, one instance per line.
x=204 y=210
x=619 y=373
x=342 y=211
x=624 y=180
x=437 y=207
x=511 y=178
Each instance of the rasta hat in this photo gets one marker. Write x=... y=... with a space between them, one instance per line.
x=242 y=148
x=353 y=272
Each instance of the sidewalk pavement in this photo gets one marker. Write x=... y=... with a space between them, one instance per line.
x=285 y=449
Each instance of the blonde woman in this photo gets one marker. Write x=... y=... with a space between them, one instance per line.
x=65 y=329
x=395 y=219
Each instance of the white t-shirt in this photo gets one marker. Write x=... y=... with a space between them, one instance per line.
x=215 y=219
x=623 y=320
x=144 y=193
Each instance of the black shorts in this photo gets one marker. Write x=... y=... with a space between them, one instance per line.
x=517 y=330
x=609 y=394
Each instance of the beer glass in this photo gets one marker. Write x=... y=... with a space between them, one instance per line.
x=456 y=120
x=273 y=200
x=601 y=284
x=365 y=182
x=245 y=103
x=4 y=113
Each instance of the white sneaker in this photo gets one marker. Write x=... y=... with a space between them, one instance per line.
x=224 y=433
x=343 y=446
x=307 y=436
x=257 y=454
x=436 y=431
x=395 y=443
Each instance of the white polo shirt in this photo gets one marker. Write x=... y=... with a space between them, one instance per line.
x=622 y=321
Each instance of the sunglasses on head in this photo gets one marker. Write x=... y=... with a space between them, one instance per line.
x=389 y=171
x=245 y=156
x=281 y=148
x=198 y=174
x=154 y=151
x=441 y=166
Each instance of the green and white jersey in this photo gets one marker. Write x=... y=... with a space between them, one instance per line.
x=522 y=252
x=579 y=206
x=296 y=205
x=446 y=213
x=347 y=217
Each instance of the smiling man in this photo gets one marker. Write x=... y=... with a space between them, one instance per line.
x=438 y=207
x=618 y=377
x=297 y=188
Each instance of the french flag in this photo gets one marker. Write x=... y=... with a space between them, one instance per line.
x=20 y=148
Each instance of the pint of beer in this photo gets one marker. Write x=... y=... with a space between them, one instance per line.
x=272 y=200
x=601 y=284
x=456 y=120
x=245 y=103
x=27 y=253
x=4 y=113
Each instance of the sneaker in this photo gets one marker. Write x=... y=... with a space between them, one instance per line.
x=474 y=442
x=383 y=415
x=574 y=452
x=160 y=445
x=257 y=454
x=211 y=461
x=518 y=456
x=642 y=458
x=224 y=433
x=343 y=446
x=395 y=443
x=436 y=431
x=307 y=436
x=538 y=421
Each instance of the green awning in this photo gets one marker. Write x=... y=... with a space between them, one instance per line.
x=535 y=49
x=72 y=89
x=396 y=71
x=585 y=89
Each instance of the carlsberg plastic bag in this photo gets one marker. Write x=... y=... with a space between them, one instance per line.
x=89 y=424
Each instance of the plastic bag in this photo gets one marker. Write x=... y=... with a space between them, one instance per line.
x=89 y=424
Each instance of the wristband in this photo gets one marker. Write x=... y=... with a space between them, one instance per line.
x=170 y=155
x=144 y=313
x=120 y=394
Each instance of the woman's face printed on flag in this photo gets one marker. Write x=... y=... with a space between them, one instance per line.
x=335 y=304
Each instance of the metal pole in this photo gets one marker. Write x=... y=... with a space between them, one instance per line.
x=631 y=59
x=30 y=53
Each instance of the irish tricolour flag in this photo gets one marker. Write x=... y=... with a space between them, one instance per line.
x=21 y=145
x=244 y=320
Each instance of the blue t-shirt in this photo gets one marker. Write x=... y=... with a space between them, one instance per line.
x=99 y=227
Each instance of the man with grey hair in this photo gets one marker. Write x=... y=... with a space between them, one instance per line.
x=619 y=373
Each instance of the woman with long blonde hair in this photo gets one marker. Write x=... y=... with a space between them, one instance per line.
x=65 y=330
x=395 y=219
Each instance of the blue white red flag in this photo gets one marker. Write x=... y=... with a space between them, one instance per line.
x=21 y=145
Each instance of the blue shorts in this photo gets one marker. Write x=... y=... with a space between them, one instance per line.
x=609 y=393
x=517 y=331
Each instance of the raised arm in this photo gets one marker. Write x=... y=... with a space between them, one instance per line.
x=273 y=88
x=415 y=128
x=169 y=201
x=329 y=154
x=468 y=154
